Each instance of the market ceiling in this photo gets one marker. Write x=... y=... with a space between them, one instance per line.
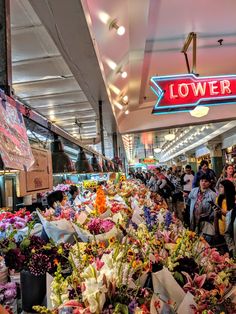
x=155 y=32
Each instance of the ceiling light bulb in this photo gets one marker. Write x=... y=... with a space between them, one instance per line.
x=127 y=111
x=199 y=111
x=125 y=98
x=120 y=30
x=124 y=74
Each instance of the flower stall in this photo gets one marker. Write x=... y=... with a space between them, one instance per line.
x=129 y=254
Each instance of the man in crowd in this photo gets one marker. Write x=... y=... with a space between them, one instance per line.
x=205 y=170
x=187 y=180
x=187 y=183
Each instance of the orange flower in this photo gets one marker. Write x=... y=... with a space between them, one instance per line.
x=55 y=262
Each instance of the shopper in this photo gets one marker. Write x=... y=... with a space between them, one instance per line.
x=177 y=195
x=226 y=201
x=139 y=175
x=201 y=211
x=161 y=183
x=73 y=193
x=187 y=183
x=228 y=173
x=205 y=170
x=230 y=233
x=56 y=197
x=187 y=180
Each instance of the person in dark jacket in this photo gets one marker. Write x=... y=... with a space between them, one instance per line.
x=73 y=193
x=56 y=197
x=205 y=170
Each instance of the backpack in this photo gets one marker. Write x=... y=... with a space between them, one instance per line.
x=169 y=185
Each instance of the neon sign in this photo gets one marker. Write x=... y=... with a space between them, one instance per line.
x=182 y=93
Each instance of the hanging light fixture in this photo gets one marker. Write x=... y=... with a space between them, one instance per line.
x=105 y=165
x=123 y=74
x=157 y=150
x=82 y=164
x=61 y=162
x=170 y=137
x=120 y=30
x=199 y=111
x=95 y=164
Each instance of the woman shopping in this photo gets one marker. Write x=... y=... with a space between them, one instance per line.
x=201 y=211
x=227 y=174
x=225 y=203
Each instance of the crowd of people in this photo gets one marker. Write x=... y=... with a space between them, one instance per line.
x=206 y=204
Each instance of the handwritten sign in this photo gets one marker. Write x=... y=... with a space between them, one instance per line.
x=39 y=177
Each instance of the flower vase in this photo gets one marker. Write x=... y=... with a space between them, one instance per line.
x=33 y=290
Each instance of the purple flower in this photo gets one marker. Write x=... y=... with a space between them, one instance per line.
x=132 y=306
x=97 y=225
x=10 y=285
x=168 y=219
x=19 y=225
x=10 y=294
x=39 y=264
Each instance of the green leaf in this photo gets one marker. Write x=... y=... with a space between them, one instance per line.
x=11 y=246
x=178 y=276
x=25 y=243
x=121 y=309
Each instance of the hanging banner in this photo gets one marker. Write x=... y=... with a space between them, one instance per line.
x=182 y=93
x=15 y=149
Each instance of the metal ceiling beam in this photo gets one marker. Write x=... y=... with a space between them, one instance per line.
x=33 y=60
x=20 y=28
x=48 y=80
x=63 y=112
x=49 y=95
x=51 y=106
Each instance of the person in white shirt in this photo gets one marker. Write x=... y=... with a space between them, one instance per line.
x=187 y=180
x=187 y=184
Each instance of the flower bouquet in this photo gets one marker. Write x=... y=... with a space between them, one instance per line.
x=13 y=221
x=96 y=229
x=57 y=224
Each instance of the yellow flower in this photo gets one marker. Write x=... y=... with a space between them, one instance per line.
x=60 y=250
x=84 y=258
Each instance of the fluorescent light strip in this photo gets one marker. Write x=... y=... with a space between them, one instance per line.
x=217 y=132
